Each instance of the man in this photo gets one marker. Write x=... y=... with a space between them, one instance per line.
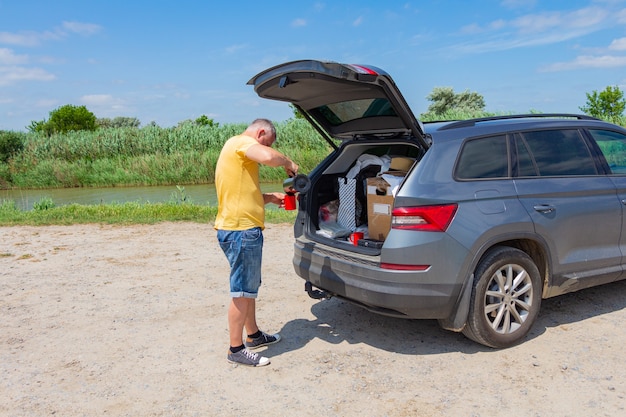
x=240 y=222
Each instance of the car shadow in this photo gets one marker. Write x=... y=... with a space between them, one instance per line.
x=337 y=321
x=581 y=305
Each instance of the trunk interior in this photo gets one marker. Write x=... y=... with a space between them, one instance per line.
x=354 y=193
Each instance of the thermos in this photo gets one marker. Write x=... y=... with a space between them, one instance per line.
x=298 y=184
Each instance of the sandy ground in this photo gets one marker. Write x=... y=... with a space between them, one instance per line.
x=131 y=321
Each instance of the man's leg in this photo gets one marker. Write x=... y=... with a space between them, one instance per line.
x=251 y=324
x=241 y=313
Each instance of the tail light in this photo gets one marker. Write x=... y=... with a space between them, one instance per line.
x=423 y=218
x=362 y=69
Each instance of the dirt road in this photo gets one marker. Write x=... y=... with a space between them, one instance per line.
x=131 y=321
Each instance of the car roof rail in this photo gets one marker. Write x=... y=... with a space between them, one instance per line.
x=473 y=122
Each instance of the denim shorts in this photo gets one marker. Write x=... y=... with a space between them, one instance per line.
x=243 y=249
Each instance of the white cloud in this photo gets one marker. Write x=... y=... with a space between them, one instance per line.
x=8 y=57
x=472 y=29
x=582 y=19
x=104 y=104
x=358 y=21
x=618 y=45
x=98 y=99
x=13 y=74
x=32 y=38
x=27 y=38
x=296 y=23
x=234 y=48
x=535 y=29
x=46 y=103
x=85 y=29
x=588 y=61
x=514 y=4
x=497 y=24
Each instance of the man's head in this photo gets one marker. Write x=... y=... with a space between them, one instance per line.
x=263 y=131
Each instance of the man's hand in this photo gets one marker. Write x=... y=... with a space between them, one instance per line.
x=274 y=198
x=291 y=168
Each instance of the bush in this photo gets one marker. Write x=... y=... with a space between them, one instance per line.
x=11 y=143
x=107 y=123
x=45 y=203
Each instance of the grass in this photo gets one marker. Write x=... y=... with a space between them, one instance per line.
x=121 y=213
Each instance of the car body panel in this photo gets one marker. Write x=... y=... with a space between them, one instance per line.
x=314 y=85
x=409 y=294
x=581 y=222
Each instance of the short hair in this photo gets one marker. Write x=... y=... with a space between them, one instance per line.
x=265 y=124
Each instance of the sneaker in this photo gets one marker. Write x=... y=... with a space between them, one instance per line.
x=263 y=340
x=247 y=358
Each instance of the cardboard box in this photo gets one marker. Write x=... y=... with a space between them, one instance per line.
x=401 y=164
x=379 y=205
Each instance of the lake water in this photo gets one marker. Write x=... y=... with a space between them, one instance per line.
x=198 y=194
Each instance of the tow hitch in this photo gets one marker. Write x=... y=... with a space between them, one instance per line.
x=315 y=294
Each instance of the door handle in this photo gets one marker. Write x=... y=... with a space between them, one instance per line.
x=544 y=208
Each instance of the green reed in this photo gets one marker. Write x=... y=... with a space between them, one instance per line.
x=185 y=154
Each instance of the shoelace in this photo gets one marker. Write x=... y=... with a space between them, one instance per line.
x=250 y=355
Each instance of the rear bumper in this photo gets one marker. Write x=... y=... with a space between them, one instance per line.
x=408 y=294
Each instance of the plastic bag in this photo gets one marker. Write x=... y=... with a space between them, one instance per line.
x=328 y=221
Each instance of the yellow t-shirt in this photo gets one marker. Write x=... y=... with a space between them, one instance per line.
x=239 y=196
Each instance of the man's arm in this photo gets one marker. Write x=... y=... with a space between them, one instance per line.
x=271 y=157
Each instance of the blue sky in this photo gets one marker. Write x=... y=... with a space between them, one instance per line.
x=169 y=61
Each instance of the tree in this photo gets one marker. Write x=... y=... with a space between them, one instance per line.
x=609 y=104
x=205 y=121
x=445 y=100
x=64 y=119
x=11 y=143
x=67 y=118
x=296 y=112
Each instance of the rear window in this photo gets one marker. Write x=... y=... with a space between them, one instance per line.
x=554 y=153
x=346 y=111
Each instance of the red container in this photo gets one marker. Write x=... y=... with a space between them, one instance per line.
x=290 y=201
x=354 y=237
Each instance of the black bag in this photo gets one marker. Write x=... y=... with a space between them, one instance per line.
x=369 y=171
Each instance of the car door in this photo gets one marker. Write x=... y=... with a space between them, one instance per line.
x=612 y=144
x=573 y=205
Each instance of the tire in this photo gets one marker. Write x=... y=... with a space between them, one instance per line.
x=505 y=300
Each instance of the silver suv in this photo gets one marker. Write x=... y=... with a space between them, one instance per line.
x=469 y=222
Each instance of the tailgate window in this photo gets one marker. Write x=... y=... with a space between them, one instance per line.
x=345 y=111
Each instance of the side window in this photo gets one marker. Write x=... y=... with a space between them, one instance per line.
x=613 y=147
x=484 y=158
x=560 y=152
